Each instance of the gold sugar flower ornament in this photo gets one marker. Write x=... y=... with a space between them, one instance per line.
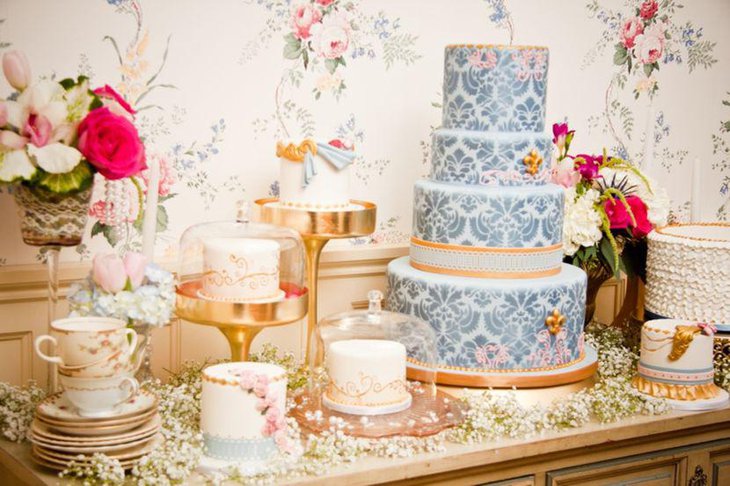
x=296 y=153
x=532 y=161
x=555 y=322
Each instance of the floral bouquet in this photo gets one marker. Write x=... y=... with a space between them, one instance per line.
x=610 y=207
x=54 y=136
x=128 y=288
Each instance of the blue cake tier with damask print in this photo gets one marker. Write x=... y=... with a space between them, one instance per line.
x=498 y=332
x=491 y=88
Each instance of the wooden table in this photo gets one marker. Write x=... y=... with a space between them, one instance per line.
x=681 y=448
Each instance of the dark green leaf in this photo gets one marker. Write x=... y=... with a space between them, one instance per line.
x=331 y=65
x=97 y=228
x=648 y=68
x=609 y=256
x=162 y=218
x=67 y=83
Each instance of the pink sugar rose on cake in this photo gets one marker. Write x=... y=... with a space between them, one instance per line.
x=631 y=29
x=331 y=37
x=111 y=144
x=303 y=17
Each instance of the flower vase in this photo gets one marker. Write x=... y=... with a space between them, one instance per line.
x=51 y=219
x=597 y=276
x=142 y=357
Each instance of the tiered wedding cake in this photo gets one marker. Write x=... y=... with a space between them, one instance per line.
x=688 y=273
x=485 y=267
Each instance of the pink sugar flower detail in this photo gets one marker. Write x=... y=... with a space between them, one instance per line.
x=267 y=402
x=247 y=380
x=261 y=388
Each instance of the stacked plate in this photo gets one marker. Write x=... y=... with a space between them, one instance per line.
x=59 y=435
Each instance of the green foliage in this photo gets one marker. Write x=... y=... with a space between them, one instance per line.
x=400 y=48
x=78 y=179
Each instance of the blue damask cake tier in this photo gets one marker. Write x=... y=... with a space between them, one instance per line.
x=487 y=231
x=488 y=158
x=499 y=332
x=495 y=88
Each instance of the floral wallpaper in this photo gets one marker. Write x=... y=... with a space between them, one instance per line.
x=215 y=85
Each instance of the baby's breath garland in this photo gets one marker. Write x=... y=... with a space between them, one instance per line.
x=490 y=416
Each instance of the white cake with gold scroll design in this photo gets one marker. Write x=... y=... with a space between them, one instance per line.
x=366 y=377
x=315 y=176
x=241 y=270
x=676 y=364
x=688 y=273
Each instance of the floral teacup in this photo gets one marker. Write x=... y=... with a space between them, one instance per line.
x=90 y=347
x=98 y=397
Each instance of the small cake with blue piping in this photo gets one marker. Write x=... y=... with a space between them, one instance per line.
x=315 y=175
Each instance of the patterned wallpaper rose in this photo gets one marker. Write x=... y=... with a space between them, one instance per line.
x=216 y=83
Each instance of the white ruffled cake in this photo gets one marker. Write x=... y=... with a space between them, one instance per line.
x=241 y=270
x=688 y=273
x=366 y=377
x=676 y=364
x=315 y=176
x=242 y=411
x=485 y=266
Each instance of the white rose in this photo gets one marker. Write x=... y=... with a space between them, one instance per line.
x=331 y=37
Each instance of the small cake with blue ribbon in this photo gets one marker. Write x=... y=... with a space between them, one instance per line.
x=315 y=176
x=676 y=364
x=242 y=411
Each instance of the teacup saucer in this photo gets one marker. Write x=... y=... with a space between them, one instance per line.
x=58 y=408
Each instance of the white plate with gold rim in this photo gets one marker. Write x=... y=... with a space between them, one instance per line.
x=82 y=425
x=147 y=431
x=122 y=456
x=46 y=432
x=58 y=408
x=61 y=464
x=94 y=448
x=93 y=430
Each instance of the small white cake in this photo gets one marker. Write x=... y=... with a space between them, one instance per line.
x=688 y=273
x=366 y=377
x=241 y=269
x=242 y=411
x=676 y=361
x=313 y=175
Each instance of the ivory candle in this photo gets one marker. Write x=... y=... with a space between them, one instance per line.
x=149 y=223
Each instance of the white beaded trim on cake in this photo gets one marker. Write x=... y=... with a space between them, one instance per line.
x=512 y=262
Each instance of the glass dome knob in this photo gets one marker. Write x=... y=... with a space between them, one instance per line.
x=243 y=211
x=375 y=299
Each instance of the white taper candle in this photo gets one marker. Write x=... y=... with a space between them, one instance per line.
x=696 y=191
x=149 y=224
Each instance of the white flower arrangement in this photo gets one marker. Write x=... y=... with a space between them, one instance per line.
x=489 y=417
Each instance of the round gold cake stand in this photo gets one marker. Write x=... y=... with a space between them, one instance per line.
x=317 y=228
x=239 y=322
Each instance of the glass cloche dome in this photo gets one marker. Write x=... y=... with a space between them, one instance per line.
x=241 y=262
x=363 y=326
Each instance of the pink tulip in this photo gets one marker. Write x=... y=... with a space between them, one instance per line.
x=3 y=114
x=108 y=272
x=39 y=129
x=134 y=265
x=12 y=140
x=17 y=69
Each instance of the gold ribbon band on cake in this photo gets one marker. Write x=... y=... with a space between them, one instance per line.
x=482 y=250
x=296 y=153
x=676 y=392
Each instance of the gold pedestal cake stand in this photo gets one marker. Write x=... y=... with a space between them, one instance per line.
x=317 y=228
x=240 y=322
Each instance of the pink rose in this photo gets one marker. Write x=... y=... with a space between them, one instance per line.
x=564 y=173
x=135 y=264
x=331 y=37
x=325 y=3
x=261 y=388
x=101 y=208
x=108 y=272
x=114 y=101
x=648 y=9
x=248 y=380
x=650 y=44
x=38 y=129
x=3 y=114
x=111 y=144
x=303 y=17
x=17 y=69
x=272 y=414
x=643 y=226
x=268 y=401
x=632 y=28
x=617 y=214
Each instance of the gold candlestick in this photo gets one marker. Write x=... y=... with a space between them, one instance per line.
x=317 y=228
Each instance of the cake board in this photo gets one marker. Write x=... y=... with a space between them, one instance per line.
x=720 y=401
x=581 y=370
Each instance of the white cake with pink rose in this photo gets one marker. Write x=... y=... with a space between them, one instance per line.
x=315 y=176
